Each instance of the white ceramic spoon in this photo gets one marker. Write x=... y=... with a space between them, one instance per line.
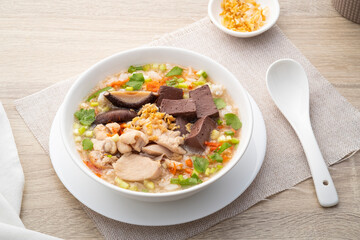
x=289 y=88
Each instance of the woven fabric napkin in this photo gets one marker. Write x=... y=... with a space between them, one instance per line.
x=336 y=123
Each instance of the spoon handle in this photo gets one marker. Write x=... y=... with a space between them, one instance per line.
x=324 y=185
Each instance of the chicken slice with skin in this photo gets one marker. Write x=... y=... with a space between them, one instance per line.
x=135 y=168
x=132 y=139
x=100 y=161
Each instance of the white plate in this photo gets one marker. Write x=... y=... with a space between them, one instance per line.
x=113 y=205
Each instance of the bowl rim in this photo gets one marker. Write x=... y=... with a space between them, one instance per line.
x=144 y=195
x=242 y=34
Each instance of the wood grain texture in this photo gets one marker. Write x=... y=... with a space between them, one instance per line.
x=43 y=42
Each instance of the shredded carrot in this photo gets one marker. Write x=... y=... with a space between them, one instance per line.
x=226 y=158
x=188 y=171
x=92 y=167
x=173 y=169
x=220 y=126
x=154 y=86
x=212 y=144
x=189 y=163
x=213 y=148
x=118 y=83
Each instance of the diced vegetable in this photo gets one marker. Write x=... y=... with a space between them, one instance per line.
x=200 y=164
x=77 y=139
x=115 y=138
x=121 y=183
x=86 y=117
x=76 y=132
x=233 y=121
x=148 y=80
x=146 y=67
x=155 y=66
x=94 y=104
x=149 y=184
x=202 y=73
x=175 y=71
x=234 y=141
x=219 y=103
x=189 y=162
x=87 y=144
x=133 y=188
x=95 y=94
x=136 y=81
x=129 y=89
x=182 y=85
x=200 y=82
x=215 y=134
x=82 y=129
x=229 y=133
x=134 y=69
x=224 y=138
x=89 y=134
x=162 y=67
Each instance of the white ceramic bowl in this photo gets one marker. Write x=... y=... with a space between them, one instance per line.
x=214 y=10
x=120 y=61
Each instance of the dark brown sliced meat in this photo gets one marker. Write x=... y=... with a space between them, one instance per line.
x=119 y=115
x=166 y=92
x=180 y=107
x=132 y=99
x=200 y=132
x=204 y=102
x=181 y=122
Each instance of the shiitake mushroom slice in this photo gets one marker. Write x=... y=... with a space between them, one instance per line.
x=130 y=99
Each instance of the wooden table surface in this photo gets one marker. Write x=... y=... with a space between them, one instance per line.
x=44 y=42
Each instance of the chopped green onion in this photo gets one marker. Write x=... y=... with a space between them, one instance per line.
x=133 y=188
x=219 y=122
x=200 y=82
x=155 y=66
x=89 y=134
x=94 y=104
x=109 y=156
x=121 y=183
x=202 y=73
x=77 y=139
x=180 y=80
x=115 y=138
x=146 y=67
x=95 y=94
x=229 y=133
x=182 y=85
x=129 y=89
x=193 y=180
x=215 y=134
x=234 y=141
x=162 y=67
x=212 y=170
x=148 y=80
x=218 y=167
x=76 y=131
x=149 y=184
x=76 y=125
x=82 y=130
x=207 y=172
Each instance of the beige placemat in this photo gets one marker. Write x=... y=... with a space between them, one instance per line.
x=336 y=122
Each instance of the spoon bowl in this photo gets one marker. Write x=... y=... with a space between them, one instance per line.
x=289 y=88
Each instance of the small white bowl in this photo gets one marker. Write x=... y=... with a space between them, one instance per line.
x=120 y=61
x=214 y=10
